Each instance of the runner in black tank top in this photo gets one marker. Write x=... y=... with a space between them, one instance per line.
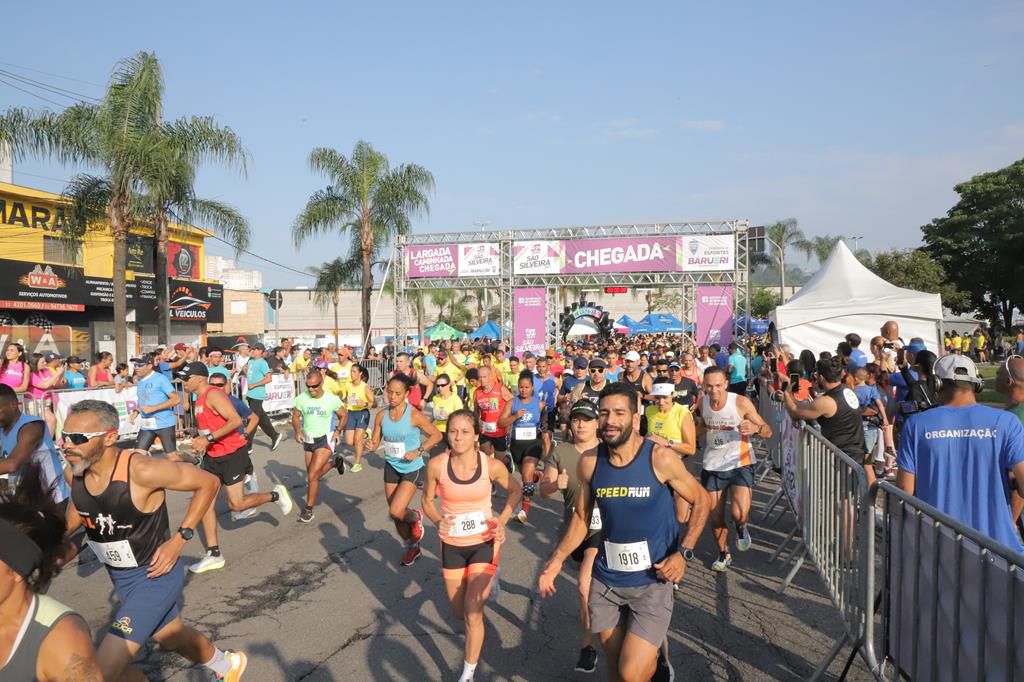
x=120 y=498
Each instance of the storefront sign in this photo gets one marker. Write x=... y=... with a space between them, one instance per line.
x=196 y=301
x=140 y=254
x=452 y=260
x=182 y=260
x=709 y=253
x=714 y=315
x=529 y=317
x=537 y=258
x=25 y=214
x=50 y=339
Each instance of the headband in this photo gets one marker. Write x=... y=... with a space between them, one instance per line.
x=662 y=390
x=18 y=550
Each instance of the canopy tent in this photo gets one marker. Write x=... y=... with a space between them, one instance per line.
x=663 y=323
x=960 y=323
x=843 y=297
x=489 y=329
x=625 y=321
x=443 y=330
x=584 y=326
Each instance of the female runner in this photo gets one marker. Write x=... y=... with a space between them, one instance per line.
x=359 y=399
x=523 y=415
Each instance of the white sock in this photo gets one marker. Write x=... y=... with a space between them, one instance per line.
x=468 y=670
x=220 y=664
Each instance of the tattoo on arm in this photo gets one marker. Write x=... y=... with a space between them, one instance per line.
x=82 y=669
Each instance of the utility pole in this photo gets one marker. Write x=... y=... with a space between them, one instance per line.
x=482 y=224
x=856 y=244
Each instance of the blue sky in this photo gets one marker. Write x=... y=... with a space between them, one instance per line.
x=857 y=119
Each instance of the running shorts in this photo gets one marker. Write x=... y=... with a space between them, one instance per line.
x=499 y=443
x=145 y=606
x=459 y=562
x=526 y=448
x=393 y=475
x=319 y=443
x=644 y=611
x=230 y=469
x=713 y=481
x=358 y=419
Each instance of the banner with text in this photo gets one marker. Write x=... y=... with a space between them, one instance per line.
x=709 y=253
x=529 y=318
x=622 y=254
x=280 y=394
x=714 y=315
x=537 y=258
x=452 y=260
x=124 y=401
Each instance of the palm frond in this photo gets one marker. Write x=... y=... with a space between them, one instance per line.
x=326 y=211
x=223 y=218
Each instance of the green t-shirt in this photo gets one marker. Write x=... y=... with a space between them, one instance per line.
x=317 y=413
x=1018 y=410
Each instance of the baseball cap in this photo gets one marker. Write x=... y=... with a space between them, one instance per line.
x=192 y=369
x=662 y=389
x=74 y=360
x=583 y=408
x=957 y=368
x=258 y=346
x=51 y=356
x=632 y=356
x=916 y=346
x=580 y=363
x=180 y=346
x=142 y=360
x=674 y=365
x=598 y=363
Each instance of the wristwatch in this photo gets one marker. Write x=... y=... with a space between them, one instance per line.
x=687 y=553
x=186 y=533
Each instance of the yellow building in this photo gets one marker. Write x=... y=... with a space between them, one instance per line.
x=55 y=298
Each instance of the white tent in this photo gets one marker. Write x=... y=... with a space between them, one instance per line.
x=843 y=297
x=584 y=326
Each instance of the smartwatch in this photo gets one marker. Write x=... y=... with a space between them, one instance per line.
x=687 y=553
x=186 y=533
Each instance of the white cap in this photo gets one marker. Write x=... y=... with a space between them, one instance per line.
x=957 y=368
x=632 y=356
x=663 y=389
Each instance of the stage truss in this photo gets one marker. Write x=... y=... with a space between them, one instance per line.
x=506 y=281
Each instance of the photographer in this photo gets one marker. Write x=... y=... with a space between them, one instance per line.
x=837 y=411
x=918 y=380
x=957 y=456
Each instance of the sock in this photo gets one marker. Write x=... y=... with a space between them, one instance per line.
x=220 y=664
x=741 y=530
x=526 y=505
x=468 y=670
x=214 y=550
x=274 y=497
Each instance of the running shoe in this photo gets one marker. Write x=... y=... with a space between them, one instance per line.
x=244 y=514
x=339 y=464
x=208 y=563
x=238 y=663
x=520 y=516
x=277 y=441
x=587 y=662
x=743 y=542
x=306 y=516
x=664 y=672
x=251 y=486
x=412 y=553
x=284 y=500
x=721 y=565
x=417 y=528
x=356 y=468
x=495 y=585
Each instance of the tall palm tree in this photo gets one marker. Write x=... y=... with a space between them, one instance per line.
x=783 y=235
x=452 y=306
x=367 y=200
x=820 y=247
x=331 y=278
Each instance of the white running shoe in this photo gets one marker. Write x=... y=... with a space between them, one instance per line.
x=743 y=543
x=244 y=514
x=208 y=563
x=520 y=516
x=277 y=441
x=284 y=500
x=251 y=485
x=721 y=565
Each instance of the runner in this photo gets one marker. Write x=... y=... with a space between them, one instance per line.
x=250 y=422
x=491 y=398
x=560 y=475
x=359 y=398
x=312 y=415
x=629 y=479
x=343 y=368
x=257 y=376
x=420 y=384
x=225 y=455
x=154 y=410
x=670 y=425
x=444 y=404
x=471 y=537
x=398 y=430
x=565 y=393
x=120 y=498
x=25 y=439
x=523 y=415
x=547 y=391
x=685 y=391
x=40 y=638
x=728 y=420
x=591 y=390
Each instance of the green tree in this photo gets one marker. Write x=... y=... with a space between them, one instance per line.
x=763 y=301
x=453 y=307
x=979 y=241
x=366 y=200
x=819 y=247
x=782 y=236
x=917 y=269
x=331 y=278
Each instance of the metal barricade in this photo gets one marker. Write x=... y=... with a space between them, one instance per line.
x=838 y=525
x=379 y=371
x=952 y=597
x=29 y=405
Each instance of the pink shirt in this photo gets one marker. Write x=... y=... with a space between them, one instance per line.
x=35 y=382
x=13 y=374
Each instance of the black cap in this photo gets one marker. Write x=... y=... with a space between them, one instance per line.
x=579 y=363
x=144 y=360
x=74 y=360
x=51 y=356
x=257 y=346
x=192 y=369
x=583 y=408
x=674 y=365
x=598 y=363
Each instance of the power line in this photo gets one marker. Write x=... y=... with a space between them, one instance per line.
x=29 y=92
x=265 y=260
x=55 y=75
x=63 y=92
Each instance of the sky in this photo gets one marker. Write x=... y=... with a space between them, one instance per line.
x=857 y=119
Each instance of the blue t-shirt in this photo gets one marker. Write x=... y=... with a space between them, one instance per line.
x=902 y=390
x=960 y=457
x=75 y=379
x=756 y=364
x=867 y=395
x=165 y=369
x=255 y=370
x=611 y=374
x=545 y=390
x=219 y=369
x=430 y=363
x=153 y=390
x=722 y=359
x=243 y=411
x=739 y=368
x=858 y=358
x=570 y=382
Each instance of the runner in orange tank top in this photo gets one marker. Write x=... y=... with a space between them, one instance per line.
x=490 y=400
x=470 y=535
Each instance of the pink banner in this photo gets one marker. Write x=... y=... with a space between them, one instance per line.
x=529 y=317
x=622 y=254
x=714 y=315
x=431 y=261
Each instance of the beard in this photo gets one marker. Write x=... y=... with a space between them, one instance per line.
x=83 y=463
x=621 y=439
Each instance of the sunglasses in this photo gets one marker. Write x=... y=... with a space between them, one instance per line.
x=597 y=370
x=83 y=438
x=313 y=387
x=442 y=385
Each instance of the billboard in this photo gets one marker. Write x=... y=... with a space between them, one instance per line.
x=714 y=315
x=529 y=315
x=537 y=258
x=708 y=253
x=621 y=254
x=452 y=260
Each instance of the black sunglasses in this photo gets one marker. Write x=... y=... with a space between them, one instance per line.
x=597 y=369
x=442 y=385
x=314 y=386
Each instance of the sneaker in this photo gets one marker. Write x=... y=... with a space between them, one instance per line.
x=721 y=565
x=277 y=441
x=743 y=543
x=339 y=464
x=244 y=514
x=417 y=528
x=251 y=485
x=238 y=663
x=587 y=662
x=412 y=553
x=356 y=468
x=664 y=672
x=306 y=516
x=284 y=500
x=510 y=464
x=208 y=563
x=520 y=516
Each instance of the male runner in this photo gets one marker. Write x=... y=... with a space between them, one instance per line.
x=24 y=439
x=546 y=386
x=565 y=393
x=591 y=390
x=250 y=422
x=420 y=384
x=631 y=480
x=490 y=400
x=120 y=498
x=728 y=420
x=311 y=420
x=155 y=409
x=226 y=456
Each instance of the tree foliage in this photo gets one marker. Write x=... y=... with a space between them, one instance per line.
x=980 y=241
x=917 y=269
x=763 y=301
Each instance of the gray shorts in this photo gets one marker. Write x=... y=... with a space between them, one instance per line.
x=644 y=611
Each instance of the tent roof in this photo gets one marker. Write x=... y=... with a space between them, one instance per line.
x=489 y=329
x=583 y=326
x=662 y=322
x=443 y=330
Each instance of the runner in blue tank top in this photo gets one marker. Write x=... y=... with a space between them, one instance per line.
x=523 y=417
x=397 y=431
x=639 y=558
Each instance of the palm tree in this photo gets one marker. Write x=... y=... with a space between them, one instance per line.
x=783 y=235
x=331 y=278
x=820 y=247
x=366 y=199
x=452 y=306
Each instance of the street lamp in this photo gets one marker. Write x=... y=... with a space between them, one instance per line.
x=856 y=244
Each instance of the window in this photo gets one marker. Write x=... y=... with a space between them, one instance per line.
x=57 y=250
x=238 y=308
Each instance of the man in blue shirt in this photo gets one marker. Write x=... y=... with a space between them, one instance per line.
x=257 y=376
x=737 y=367
x=74 y=375
x=957 y=457
x=721 y=357
x=155 y=410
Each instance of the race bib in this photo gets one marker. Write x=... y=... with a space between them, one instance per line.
x=465 y=525
x=148 y=423
x=595 y=519
x=490 y=427
x=440 y=414
x=307 y=439
x=393 y=450
x=526 y=432
x=114 y=554
x=627 y=557
x=355 y=399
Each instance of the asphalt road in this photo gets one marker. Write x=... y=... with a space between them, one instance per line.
x=329 y=600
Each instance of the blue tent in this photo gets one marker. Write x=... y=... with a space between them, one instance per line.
x=489 y=329
x=625 y=321
x=755 y=326
x=663 y=322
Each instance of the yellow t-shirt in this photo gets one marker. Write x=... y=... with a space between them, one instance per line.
x=453 y=372
x=444 y=407
x=355 y=397
x=979 y=342
x=503 y=367
x=300 y=364
x=332 y=386
x=956 y=343
x=344 y=372
x=668 y=425
x=511 y=381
